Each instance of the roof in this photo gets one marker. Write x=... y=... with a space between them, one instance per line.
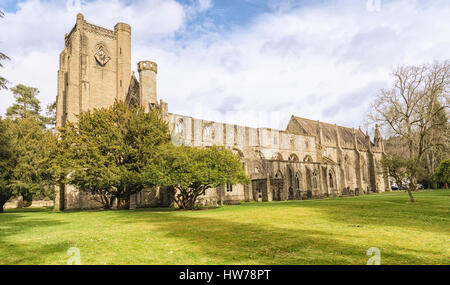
x=311 y=127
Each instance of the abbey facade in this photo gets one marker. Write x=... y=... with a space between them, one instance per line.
x=307 y=160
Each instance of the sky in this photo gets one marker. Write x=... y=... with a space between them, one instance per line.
x=246 y=62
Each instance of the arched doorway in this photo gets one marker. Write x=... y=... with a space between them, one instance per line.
x=276 y=184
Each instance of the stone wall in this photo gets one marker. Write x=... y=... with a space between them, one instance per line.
x=310 y=159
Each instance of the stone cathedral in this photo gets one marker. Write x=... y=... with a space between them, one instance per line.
x=307 y=160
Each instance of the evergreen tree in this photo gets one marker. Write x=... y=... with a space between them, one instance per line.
x=26 y=105
x=30 y=146
x=442 y=173
x=190 y=171
x=5 y=165
x=51 y=115
x=105 y=152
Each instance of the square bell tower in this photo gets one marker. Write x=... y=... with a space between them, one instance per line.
x=94 y=69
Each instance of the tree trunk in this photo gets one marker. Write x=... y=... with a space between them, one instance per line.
x=2 y=203
x=410 y=195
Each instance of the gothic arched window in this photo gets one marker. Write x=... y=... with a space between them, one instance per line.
x=347 y=168
x=308 y=158
x=178 y=130
x=331 y=179
x=364 y=169
x=293 y=157
x=277 y=156
x=315 y=184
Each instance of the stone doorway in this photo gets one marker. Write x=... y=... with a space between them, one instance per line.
x=277 y=187
x=259 y=187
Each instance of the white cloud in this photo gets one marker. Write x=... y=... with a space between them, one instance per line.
x=204 y=5
x=323 y=62
x=33 y=36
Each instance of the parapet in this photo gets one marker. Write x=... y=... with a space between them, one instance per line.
x=147 y=65
x=122 y=27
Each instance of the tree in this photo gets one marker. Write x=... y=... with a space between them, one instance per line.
x=442 y=173
x=51 y=115
x=30 y=146
x=3 y=56
x=26 y=105
x=5 y=165
x=105 y=152
x=414 y=110
x=190 y=171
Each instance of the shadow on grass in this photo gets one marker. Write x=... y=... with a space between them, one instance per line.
x=19 y=222
x=221 y=241
x=246 y=241
x=431 y=213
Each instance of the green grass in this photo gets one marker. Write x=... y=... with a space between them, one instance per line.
x=327 y=231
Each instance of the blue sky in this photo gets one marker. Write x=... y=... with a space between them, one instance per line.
x=249 y=62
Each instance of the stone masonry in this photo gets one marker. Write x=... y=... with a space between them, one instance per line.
x=309 y=159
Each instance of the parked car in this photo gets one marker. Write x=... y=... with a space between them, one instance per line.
x=397 y=188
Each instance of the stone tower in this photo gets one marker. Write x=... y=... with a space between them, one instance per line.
x=95 y=69
x=147 y=86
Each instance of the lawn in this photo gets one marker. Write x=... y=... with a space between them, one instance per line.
x=326 y=231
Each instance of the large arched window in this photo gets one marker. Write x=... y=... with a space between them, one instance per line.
x=347 y=168
x=208 y=133
x=293 y=157
x=308 y=158
x=277 y=156
x=364 y=169
x=179 y=128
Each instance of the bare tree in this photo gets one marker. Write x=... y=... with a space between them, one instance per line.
x=415 y=110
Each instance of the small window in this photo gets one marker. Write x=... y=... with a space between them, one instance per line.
x=120 y=50
x=275 y=140
x=229 y=187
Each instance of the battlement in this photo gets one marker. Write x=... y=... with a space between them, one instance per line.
x=122 y=27
x=147 y=65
